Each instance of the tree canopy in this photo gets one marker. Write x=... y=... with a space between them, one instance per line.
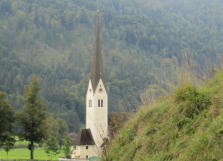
x=33 y=117
x=7 y=119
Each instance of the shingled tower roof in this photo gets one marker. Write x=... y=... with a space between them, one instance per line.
x=97 y=64
x=84 y=138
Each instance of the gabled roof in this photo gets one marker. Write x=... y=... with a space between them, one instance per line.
x=84 y=138
x=97 y=64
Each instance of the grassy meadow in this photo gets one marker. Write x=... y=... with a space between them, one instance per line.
x=21 y=152
x=24 y=153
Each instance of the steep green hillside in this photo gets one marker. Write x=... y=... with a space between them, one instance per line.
x=143 y=42
x=185 y=126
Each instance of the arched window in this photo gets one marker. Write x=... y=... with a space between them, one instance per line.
x=90 y=103
x=101 y=103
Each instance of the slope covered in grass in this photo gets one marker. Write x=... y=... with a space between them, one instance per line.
x=186 y=126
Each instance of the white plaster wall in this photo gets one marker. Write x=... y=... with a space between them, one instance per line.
x=81 y=151
x=97 y=117
x=101 y=114
x=90 y=111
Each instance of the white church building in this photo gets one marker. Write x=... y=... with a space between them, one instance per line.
x=90 y=140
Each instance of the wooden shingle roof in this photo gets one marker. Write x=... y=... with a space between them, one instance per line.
x=84 y=138
x=97 y=72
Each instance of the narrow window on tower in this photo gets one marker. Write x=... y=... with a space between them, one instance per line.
x=90 y=103
x=101 y=103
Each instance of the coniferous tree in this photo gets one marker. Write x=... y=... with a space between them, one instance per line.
x=7 y=119
x=33 y=117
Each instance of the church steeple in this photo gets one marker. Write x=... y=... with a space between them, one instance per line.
x=97 y=98
x=96 y=108
x=97 y=64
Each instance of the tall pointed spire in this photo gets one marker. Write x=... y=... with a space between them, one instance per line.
x=97 y=65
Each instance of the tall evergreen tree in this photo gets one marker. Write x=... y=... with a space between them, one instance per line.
x=33 y=117
x=7 y=118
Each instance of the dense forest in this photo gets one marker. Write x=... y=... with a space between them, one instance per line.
x=144 y=44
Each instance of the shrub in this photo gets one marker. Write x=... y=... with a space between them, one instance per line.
x=191 y=101
x=128 y=135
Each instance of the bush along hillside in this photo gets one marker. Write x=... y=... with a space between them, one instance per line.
x=186 y=126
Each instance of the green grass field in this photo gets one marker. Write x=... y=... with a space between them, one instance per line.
x=39 y=154
x=20 y=152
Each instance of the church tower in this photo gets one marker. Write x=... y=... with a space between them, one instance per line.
x=89 y=141
x=97 y=98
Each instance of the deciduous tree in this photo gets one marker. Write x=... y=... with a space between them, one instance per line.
x=9 y=144
x=67 y=147
x=33 y=117
x=7 y=118
x=52 y=147
x=62 y=131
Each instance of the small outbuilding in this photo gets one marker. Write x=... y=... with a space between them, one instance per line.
x=84 y=145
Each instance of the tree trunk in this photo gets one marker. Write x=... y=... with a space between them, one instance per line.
x=31 y=150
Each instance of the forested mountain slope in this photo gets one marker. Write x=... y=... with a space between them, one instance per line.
x=182 y=127
x=143 y=43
